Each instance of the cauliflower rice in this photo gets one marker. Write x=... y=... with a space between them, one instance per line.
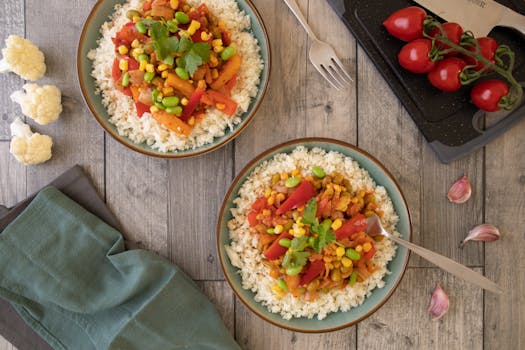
x=243 y=252
x=146 y=129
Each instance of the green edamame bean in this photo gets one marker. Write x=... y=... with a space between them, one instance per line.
x=170 y=101
x=174 y=110
x=125 y=79
x=228 y=53
x=318 y=172
x=148 y=76
x=143 y=57
x=291 y=182
x=285 y=242
x=181 y=72
x=155 y=96
x=292 y=271
x=131 y=14
x=172 y=26
x=353 y=278
x=271 y=230
x=159 y=105
x=352 y=254
x=182 y=18
x=282 y=284
x=141 y=27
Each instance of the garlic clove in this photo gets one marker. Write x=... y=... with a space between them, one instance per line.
x=439 y=303
x=483 y=233
x=460 y=191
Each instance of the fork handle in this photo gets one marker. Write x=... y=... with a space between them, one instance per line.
x=292 y=4
x=450 y=265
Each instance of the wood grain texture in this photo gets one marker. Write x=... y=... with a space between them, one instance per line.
x=404 y=323
x=505 y=208
x=11 y=22
x=12 y=177
x=196 y=189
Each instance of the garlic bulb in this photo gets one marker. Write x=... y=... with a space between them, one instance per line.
x=484 y=233
x=460 y=191
x=439 y=303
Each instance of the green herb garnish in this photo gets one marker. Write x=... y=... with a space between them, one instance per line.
x=296 y=257
x=323 y=231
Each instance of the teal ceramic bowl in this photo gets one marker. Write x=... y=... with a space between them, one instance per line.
x=101 y=12
x=397 y=266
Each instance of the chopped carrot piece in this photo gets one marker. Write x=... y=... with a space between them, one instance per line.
x=172 y=122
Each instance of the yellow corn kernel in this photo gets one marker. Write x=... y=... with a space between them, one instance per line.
x=194 y=26
x=142 y=65
x=160 y=96
x=266 y=212
x=340 y=251
x=162 y=67
x=271 y=200
x=291 y=231
x=300 y=232
x=153 y=109
x=327 y=259
x=174 y=4
x=359 y=248
x=184 y=101
x=221 y=24
x=214 y=73
x=337 y=264
x=299 y=221
x=150 y=68
x=216 y=42
x=123 y=65
x=276 y=288
x=346 y=262
x=191 y=121
x=284 y=176
x=280 y=196
x=295 y=172
x=164 y=74
x=136 y=19
x=149 y=17
x=259 y=216
x=218 y=49
x=279 y=229
x=123 y=50
x=168 y=91
x=220 y=106
x=186 y=8
x=214 y=62
x=336 y=224
x=135 y=43
x=268 y=192
x=367 y=246
x=309 y=178
x=205 y=36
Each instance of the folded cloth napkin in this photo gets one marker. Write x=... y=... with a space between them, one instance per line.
x=69 y=276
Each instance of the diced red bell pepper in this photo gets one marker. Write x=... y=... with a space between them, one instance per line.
x=126 y=91
x=195 y=98
x=300 y=196
x=324 y=206
x=230 y=106
x=116 y=73
x=141 y=108
x=201 y=11
x=276 y=250
x=197 y=38
x=315 y=268
x=227 y=89
x=146 y=6
x=259 y=204
x=252 y=219
x=225 y=36
x=370 y=254
x=127 y=34
x=356 y=224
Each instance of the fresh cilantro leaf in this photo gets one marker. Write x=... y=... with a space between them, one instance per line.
x=287 y=259
x=203 y=50
x=301 y=258
x=184 y=44
x=193 y=61
x=310 y=212
x=299 y=243
x=163 y=43
x=171 y=44
x=324 y=236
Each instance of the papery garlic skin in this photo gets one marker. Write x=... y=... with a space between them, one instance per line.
x=439 y=303
x=483 y=233
x=460 y=191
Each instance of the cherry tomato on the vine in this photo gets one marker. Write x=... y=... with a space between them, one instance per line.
x=406 y=24
x=487 y=47
x=487 y=94
x=453 y=31
x=445 y=76
x=414 y=56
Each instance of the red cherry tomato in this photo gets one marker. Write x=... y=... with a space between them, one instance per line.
x=487 y=94
x=453 y=31
x=406 y=24
x=487 y=47
x=445 y=76
x=414 y=56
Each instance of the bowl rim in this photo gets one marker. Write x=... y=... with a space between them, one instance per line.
x=256 y=160
x=191 y=153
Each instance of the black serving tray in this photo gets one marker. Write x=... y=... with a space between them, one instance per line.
x=450 y=123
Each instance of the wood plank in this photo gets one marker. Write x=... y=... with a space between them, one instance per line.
x=5 y=345
x=11 y=22
x=220 y=294
x=255 y=334
x=77 y=138
x=505 y=205
x=137 y=193
x=397 y=139
x=196 y=189
x=12 y=177
x=403 y=322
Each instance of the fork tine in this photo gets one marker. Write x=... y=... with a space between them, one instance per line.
x=321 y=70
x=336 y=77
x=341 y=67
x=340 y=74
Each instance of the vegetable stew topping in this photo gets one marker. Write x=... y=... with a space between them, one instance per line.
x=176 y=61
x=311 y=232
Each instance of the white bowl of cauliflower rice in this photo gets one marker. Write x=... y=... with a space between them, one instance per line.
x=173 y=78
x=292 y=236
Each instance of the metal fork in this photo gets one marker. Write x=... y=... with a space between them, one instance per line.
x=322 y=55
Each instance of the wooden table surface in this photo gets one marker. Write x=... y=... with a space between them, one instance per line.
x=170 y=206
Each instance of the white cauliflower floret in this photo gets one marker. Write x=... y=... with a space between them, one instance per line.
x=41 y=103
x=22 y=57
x=29 y=148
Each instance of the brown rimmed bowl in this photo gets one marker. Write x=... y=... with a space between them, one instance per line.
x=101 y=13
x=397 y=266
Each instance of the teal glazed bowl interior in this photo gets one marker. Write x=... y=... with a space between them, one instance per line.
x=101 y=13
x=397 y=266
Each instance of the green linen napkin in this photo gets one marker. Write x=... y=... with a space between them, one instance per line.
x=69 y=276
